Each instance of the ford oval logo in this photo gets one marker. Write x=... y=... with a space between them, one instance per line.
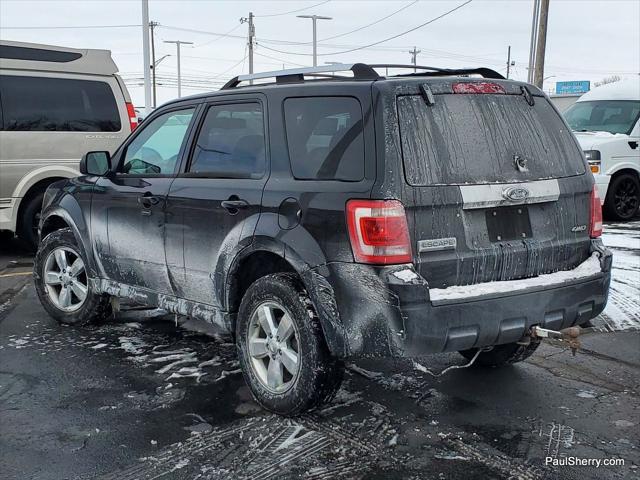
x=515 y=194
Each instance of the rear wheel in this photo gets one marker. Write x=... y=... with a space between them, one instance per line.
x=283 y=354
x=502 y=354
x=623 y=197
x=62 y=281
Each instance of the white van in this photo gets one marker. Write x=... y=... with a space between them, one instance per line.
x=56 y=104
x=606 y=122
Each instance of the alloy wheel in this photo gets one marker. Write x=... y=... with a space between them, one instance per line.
x=273 y=347
x=626 y=198
x=65 y=279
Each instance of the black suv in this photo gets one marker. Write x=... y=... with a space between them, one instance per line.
x=326 y=216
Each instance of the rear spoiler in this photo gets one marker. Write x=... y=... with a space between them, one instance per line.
x=445 y=72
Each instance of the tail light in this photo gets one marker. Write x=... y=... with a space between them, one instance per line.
x=378 y=231
x=595 y=220
x=477 y=87
x=133 y=118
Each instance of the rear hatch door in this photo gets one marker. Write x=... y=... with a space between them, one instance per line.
x=495 y=182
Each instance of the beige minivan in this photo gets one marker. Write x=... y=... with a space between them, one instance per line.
x=56 y=104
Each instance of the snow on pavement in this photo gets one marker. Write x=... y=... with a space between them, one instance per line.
x=623 y=309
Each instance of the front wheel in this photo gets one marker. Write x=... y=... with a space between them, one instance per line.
x=500 y=355
x=283 y=354
x=623 y=197
x=62 y=281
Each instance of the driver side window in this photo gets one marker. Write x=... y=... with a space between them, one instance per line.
x=155 y=150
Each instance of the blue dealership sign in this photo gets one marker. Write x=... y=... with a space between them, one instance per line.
x=577 y=86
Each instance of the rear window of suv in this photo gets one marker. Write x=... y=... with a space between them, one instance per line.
x=325 y=139
x=57 y=104
x=467 y=138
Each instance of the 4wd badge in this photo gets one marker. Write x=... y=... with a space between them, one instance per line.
x=515 y=194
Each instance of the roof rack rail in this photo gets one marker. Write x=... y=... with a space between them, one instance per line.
x=361 y=71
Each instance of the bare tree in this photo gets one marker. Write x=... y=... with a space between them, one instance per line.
x=606 y=80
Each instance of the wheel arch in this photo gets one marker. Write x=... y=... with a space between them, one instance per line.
x=34 y=182
x=60 y=216
x=626 y=170
x=268 y=256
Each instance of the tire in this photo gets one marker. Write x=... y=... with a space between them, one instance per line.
x=76 y=311
x=501 y=355
x=28 y=226
x=623 y=197
x=316 y=375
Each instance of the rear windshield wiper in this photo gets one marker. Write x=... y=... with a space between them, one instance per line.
x=427 y=94
x=527 y=95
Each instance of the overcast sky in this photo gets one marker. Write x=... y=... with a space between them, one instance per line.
x=587 y=39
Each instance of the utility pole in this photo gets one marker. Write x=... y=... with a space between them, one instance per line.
x=508 y=60
x=250 y=40
x=314 y=19
x=153 y=25
x=178 y=43
x=414 y=56
x=145 y=57
x=541 y=46
x=532 y=43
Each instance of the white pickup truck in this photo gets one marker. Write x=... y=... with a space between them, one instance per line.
x=606 y=122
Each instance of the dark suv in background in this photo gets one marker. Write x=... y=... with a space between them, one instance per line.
x=325 y=216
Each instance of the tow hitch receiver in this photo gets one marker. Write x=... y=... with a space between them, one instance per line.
x=569 y=335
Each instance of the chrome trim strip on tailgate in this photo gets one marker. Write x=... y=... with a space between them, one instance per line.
x=455 y=294
x=499 y=194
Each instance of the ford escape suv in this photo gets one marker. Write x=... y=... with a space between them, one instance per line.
x=325 y=215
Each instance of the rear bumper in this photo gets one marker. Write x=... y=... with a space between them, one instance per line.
x=385 y=311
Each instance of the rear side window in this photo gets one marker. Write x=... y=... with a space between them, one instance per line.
x=467 y=138
x=231 y=142
x=57 y=104
x=325 y=138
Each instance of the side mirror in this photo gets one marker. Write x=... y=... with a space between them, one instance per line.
x=95 y=163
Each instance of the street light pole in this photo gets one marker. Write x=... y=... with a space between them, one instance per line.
x=314 y=19
x=178 y=43
x=153 y=25
x=145 y=57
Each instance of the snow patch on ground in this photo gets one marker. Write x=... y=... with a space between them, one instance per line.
x=623 y=308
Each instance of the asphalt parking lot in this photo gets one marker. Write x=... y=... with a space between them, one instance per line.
x=138 y=398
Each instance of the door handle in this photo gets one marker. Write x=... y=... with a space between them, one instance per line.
x=147 y=200
x=233 y=205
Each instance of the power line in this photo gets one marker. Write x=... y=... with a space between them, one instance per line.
x=279 y=60
x=370 y=24
x=293 y=11
x=403 y=33
x=374 y=43
x=203 y=32
x=59 y=27
x=230 y=68
x=219 y=37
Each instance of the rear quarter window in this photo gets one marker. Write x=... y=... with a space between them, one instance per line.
x=58 y=104
x=325 y=138
x=466 y=138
